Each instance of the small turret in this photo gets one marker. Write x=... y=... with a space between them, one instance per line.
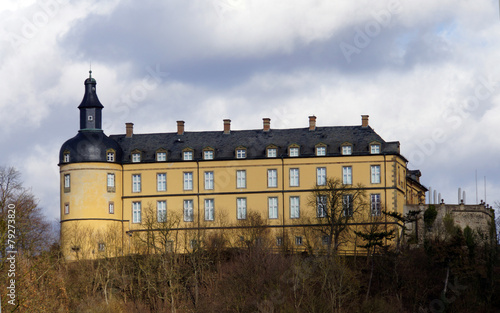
x=91 y=107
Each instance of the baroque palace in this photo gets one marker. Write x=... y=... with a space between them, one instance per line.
x=120 y=190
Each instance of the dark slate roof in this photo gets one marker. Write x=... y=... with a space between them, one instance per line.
x=90 y=146
x=255 y=141
x=90 y=99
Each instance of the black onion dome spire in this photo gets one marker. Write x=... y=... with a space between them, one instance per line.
x=90 y=144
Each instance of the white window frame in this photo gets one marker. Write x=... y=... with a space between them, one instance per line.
x=375 y=148
x=110 y=156
x=209 y=209
x=272 y=152
x=375 y=204
x=111 y=180
x=66 y=157
x=161 y=156
x=136 y=182
x=241 y=179
x=188 y=181
x=136 y=157
x=241 y=208
x=66 y=208
x=208 y=155
x=111 y=207
x=294 y=207
x=347 y=175
x=136 y=212
x=321 y=151
x=321 y=203
x=241 y=153
x=298 y=241
x=347 y=150
x=272 y=205
x=321 y=176
x=294 y=177
x=161 y=211
x=272 y=178
x=187 y=155
x=67 y=181
x=293 y=152
x=209 y=180
x=347 y=205
x=375 y=174
x=188 y=210
x=161 y=181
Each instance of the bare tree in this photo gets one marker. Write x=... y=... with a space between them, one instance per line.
x=337 y=205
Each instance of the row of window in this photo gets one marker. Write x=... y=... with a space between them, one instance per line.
x=241 y=179
x=241 y=208
x=240 y=153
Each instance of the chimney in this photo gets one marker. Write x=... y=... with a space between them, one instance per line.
x=227 y=126
x=180 y=127
x=267 y=124
x=129 y=130
x=312 y=123
x=364 y=120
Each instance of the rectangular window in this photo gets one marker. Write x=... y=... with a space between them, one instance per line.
x=187 y=155
x=101 y=247
x=241 y=153
x=188 y=181
x=375 y=149
x=161 y=156
x=188 y=210
x=375 y=174
x=294 y=152
x=325 y=240
x=241 y=179
x=320 y=151
x=321 y=206
x=375 y=204
x=272 y=152
x=294 y=207
x=161 y=182
x=136 y=183
x=346 y=150
x=294 y=177
x=136 y=157
x=347 y=205
x=208 y=155
x=66 y=157
x=67 y=182
x=66 y=208
x=161 y=211
x=241 y=208
x=298 y=240
x=111 y=182
x=347 y=175
x=111 y=207
x=110 y=157
x=272 y=178
x=279 y=241
x=272 y=203
x=209 y=180
x=136 y=212
x=321 y=176
x=209 y=209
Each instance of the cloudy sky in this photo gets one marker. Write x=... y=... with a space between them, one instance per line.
x=427 y=73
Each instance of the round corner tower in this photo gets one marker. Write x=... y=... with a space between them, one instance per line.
x=91 y=191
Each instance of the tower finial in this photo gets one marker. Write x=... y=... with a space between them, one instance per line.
x=90 y=69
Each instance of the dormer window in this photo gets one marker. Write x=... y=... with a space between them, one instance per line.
x=161 y=155
x=241 y=153
x=375 y=148
x=208 y=154
x=110 y=155
x=187 y=155
x=320 y=150
x=293 y=151
x=136 y=157
x=346 y=149
x=272 y=152
x=66 y=157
